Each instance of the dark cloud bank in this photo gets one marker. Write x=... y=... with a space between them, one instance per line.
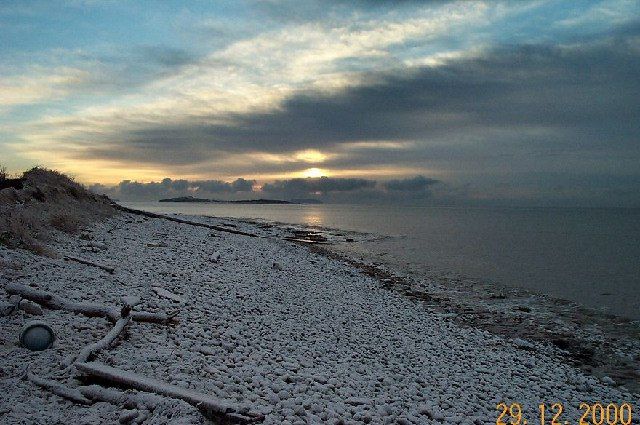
x=566 y=111
x=327 y=189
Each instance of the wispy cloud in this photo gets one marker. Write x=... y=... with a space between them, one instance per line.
x=42 y=84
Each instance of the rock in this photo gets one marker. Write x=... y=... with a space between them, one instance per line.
x=523 y=344
x=97 y=245
x=127 y=416
x=276 y=266
x=357 y=401
x=607 y=380
x=215 y=257
x=30 y=307
x=7 y=307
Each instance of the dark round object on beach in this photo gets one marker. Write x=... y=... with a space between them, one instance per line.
x=37 y=336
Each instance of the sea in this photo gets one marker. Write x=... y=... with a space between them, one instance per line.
x=590 y=256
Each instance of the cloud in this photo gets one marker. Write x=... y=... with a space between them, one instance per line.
x=453 y=91
x=321 y=185
x=40 y=85
x=328 y=189
x=85 y=73
x=255 y=75
x=132 y=190
x=352 y=190
x=568 y=98
x=314 y=10
x=416 y=184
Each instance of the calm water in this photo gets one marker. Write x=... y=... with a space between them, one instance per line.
x=590 y=256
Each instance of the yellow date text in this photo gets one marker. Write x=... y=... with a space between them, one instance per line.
x=552 y=414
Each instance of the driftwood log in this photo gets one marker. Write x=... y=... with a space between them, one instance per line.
x=107 y=269
x=120 y=398
x=217 y=410
x=59 y=389
x=91 y=349
x=180 y=220
x=123 y=321
x=209 y=407
x=55 y=302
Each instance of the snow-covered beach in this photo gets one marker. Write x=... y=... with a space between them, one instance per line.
x=268 y=324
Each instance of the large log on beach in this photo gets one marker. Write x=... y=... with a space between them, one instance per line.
x=211 y=408
x=55 y=302
x=107 y=269
x=59 y=389
x=183 y=221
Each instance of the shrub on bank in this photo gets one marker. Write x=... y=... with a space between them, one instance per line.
x=40 y=202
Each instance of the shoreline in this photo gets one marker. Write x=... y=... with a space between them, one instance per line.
x=584 y=334
x=296 y=333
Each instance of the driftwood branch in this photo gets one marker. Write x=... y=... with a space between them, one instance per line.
x=91 y=349
x=180 y=220
x=55 y=302
x=119 y=398
x=58 y=389
x=90 y=263
x=87 y=395
x=209 y=407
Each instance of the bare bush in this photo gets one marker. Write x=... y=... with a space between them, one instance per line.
x=21 y=228
x=65 y=222
x=46 y=201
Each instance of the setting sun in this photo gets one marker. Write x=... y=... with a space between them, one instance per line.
x=314 y=172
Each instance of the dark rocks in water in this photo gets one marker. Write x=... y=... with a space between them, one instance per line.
x=307 y=237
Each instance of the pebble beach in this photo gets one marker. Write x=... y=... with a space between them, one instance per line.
x=270 y=325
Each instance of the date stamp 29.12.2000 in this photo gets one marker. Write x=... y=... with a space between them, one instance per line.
x=552 y=414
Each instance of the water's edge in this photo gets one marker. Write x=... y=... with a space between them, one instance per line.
x=600 y=344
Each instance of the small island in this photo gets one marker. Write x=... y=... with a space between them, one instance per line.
x=243 y=201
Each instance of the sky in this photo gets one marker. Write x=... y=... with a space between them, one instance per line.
x=490 y=102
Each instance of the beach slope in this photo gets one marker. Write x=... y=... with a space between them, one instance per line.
x=267 y=324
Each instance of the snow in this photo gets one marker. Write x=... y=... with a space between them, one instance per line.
x=310 y=341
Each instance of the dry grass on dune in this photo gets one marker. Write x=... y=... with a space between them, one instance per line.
x=40 y=202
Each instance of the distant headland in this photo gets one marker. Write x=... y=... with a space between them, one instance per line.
x=243 y=201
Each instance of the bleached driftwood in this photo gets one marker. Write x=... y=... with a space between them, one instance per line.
x=119 y=398
x=58 y=389
x=55 y=302
x=167 y=294
x=90 y=263
x=181 y=220
x=90 y=349
x=209 y=407
x=89 y=394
